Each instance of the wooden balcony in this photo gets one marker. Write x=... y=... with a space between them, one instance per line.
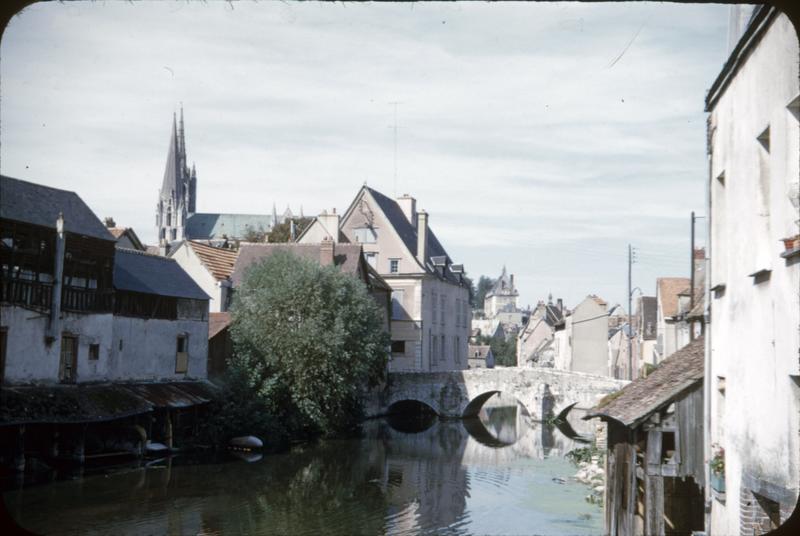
x=39 y=295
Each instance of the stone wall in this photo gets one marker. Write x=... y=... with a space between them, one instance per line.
x=452 y=394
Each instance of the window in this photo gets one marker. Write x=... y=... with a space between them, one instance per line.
x=443 y=348
x=434 y=307
x=394 y=266
x=68 y=365
x=372 y=258
x=120 y=345
x=443 y=299
x=398 y=347
x=366 y=235
x=174 y=234
x=94 y=352
x=398 y=313
x=182 y=354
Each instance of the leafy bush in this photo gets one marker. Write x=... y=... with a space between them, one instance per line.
x=307 y=340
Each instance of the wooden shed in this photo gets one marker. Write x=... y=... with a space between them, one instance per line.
x=654 y=463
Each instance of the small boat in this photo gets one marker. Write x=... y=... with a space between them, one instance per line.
x=246 y=442
x=154 y=448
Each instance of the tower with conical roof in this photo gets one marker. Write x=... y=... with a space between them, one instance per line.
x=177 y=197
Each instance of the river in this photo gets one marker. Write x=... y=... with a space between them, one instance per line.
x=499 y=474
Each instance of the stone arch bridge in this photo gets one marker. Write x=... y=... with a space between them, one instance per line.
x=461 y=393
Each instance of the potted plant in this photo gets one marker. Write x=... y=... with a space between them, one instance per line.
x=717 y=465
x=792 y=242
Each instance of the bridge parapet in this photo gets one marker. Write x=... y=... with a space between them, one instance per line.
x=542 y=391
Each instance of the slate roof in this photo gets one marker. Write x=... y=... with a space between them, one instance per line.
x=345 y=256
x=218 y=261
x=639 y=399
x=503 y=286
x=119 y=232
x=376 y=280
x=200 y=226
x=668 y=290
x=217 y=322
x=408 y=233
x=40 y=205
x=137 y=271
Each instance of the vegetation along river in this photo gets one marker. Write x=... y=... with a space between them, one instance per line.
x=499 y=474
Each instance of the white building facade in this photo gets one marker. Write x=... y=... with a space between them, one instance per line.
x=431 y=315
x=752 y=366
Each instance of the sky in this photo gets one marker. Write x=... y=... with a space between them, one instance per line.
x=545 y=137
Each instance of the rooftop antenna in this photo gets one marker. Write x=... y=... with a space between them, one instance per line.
x=395 y=127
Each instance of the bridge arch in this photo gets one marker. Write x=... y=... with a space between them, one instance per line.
x=411 y=405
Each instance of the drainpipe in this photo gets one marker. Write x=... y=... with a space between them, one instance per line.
x=54 y=326
x=707 y=384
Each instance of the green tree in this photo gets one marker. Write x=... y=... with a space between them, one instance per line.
x=485 y=284
x=309 y=338
x=282 y=231
x=504 y=350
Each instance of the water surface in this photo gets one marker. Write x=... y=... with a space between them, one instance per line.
x=497 y=475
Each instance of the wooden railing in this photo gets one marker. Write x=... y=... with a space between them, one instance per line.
x=83 y=300
x=31 y=293
x=39 y=295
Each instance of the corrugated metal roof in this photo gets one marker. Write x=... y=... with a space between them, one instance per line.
x=640 y=398
x=40 y=205
x=96 y=402
x=137 y=271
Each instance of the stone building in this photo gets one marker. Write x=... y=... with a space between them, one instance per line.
x=588 y=331
x=430 y=297
x=177 y=218
x=753 y=381
x=536 y=344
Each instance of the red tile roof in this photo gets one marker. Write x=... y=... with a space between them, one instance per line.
x=217 y=322
x=668 y=290
x=218 y=261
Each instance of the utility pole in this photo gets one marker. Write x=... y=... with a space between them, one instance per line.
x=691 y=275
x=630 y=331
x=631 y=262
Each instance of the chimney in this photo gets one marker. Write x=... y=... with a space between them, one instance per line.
x=110 y=223
x=409 y=207
x=422 y=236
x=54 y=326
x=326 y=252
x=330 y=222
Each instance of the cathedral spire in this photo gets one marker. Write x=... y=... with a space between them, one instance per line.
x=182 y=138
x=171 y=185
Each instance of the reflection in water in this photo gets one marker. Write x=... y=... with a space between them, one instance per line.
x=438 y=479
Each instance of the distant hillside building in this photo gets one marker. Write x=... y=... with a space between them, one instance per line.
x=176 y=216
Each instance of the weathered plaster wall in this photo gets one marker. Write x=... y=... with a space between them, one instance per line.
x=148 y=347
x=754 y=337
x=190 y=262
x=590 y=338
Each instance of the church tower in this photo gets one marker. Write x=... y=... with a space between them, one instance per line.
x=177 y=197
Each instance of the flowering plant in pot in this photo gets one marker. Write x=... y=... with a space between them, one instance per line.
x=718 y=461
x=717 y=465
x=792 y=242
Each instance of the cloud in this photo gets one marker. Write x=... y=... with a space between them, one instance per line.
x=516 y=134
